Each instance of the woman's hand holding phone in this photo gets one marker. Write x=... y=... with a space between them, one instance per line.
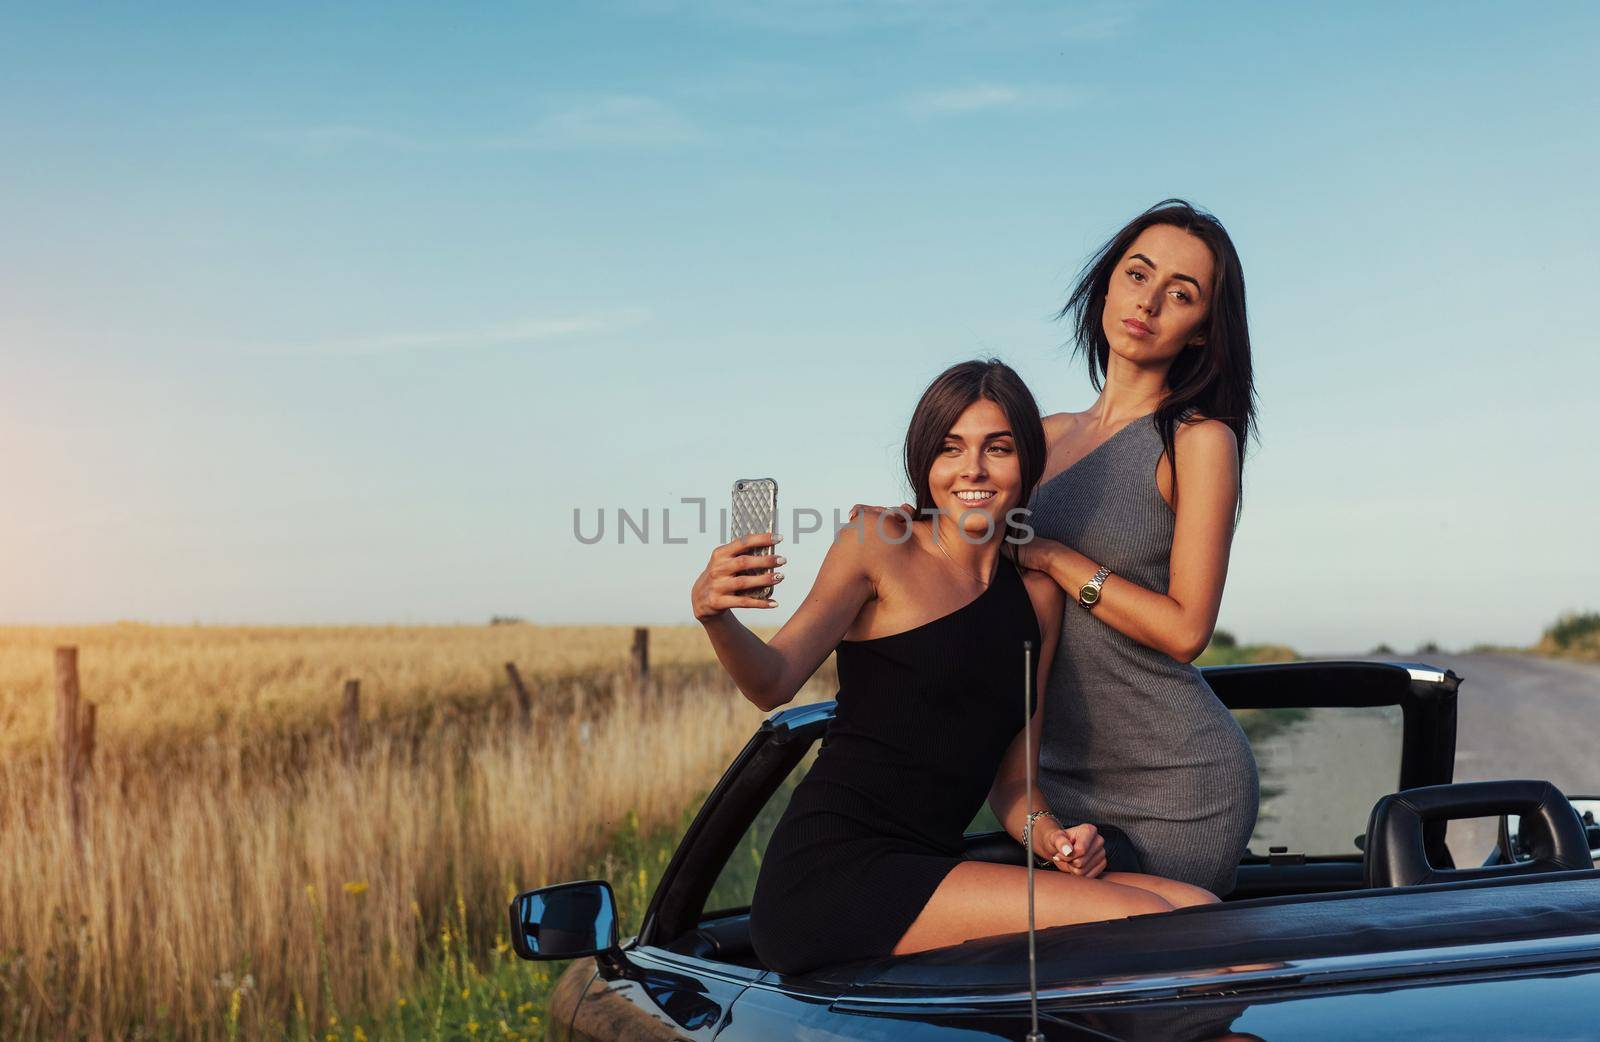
x=725 y=581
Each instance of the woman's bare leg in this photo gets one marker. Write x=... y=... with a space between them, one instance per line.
x=1178 y=895
x=979 y=899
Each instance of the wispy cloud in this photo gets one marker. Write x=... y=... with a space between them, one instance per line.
x=979 y=97
x=524 y=332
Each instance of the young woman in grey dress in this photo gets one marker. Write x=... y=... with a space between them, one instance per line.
x=1134 y=519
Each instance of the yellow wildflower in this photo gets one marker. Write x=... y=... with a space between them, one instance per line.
x=356 y=889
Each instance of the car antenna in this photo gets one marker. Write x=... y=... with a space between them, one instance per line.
x=1027 y=833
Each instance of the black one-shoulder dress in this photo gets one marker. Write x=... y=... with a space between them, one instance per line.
x=923 y=719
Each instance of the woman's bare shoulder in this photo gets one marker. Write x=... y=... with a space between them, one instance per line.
x=1207 y=435
x=1059 y=423
x=873 y=548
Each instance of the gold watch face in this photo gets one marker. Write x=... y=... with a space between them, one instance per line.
x=1089 y=594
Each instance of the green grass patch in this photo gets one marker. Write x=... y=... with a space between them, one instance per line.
x=1574 y=635
x=1224 y=650
x=476 y=988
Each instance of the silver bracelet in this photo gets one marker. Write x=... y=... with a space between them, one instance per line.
x=1027 y=832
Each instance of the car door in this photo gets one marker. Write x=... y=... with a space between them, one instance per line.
x=691 y=970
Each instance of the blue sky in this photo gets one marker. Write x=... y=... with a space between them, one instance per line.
x=316 y=315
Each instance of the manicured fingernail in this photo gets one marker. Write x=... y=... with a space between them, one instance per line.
x=772 y=604
x=776 y=576
x=781 y=560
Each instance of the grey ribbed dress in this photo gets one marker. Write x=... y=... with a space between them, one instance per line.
x=1132 y=737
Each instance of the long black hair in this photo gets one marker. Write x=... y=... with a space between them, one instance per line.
x=942 y=404
x=1213 y=378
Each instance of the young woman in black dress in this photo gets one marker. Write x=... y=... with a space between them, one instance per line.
x=929 y=626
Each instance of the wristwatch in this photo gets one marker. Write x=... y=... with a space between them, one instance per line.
x=1090 y=592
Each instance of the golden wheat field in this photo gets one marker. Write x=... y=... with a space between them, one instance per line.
x=226 y=839
x=165 y=684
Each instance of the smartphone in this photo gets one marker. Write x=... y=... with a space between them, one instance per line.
x=755 y=509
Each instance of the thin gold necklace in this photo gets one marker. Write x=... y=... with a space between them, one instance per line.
x=940 y=544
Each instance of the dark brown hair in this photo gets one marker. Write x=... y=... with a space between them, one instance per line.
x=942 y=404
x=1214 y=378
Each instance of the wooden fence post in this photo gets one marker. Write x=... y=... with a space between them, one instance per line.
x=350 y=721
x=524 y=700
x=69 y=737
x=641 y=656
x=86 y=740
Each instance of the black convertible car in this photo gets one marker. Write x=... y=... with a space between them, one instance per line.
x=1350 y=920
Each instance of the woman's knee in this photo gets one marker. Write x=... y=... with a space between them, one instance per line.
x=1183 y=895
x=1176 y=894
x=1142 y=902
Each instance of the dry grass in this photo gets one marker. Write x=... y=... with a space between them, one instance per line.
x=167 y=683
x=260 y=851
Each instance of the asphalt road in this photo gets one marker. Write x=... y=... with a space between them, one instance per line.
x=1522 y=717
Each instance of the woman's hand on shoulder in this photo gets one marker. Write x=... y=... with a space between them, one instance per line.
x=1034 y=554
x=890 y=521
x=726 y=581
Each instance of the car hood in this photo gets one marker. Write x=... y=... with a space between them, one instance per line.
x=1545 y=1006
x=1251 y=944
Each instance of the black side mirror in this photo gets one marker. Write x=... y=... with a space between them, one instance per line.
x=566 y=921
x=1511 y=846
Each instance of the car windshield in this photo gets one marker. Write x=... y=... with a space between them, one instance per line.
x=1321 y=771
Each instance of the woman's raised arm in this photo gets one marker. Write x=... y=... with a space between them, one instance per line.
x=1178 y=620
x=770 y=673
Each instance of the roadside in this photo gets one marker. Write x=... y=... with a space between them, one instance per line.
x=1520 y=716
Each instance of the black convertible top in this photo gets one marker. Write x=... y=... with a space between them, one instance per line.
x=1555 y=904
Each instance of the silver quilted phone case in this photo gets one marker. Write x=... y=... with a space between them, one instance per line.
x=755 y=509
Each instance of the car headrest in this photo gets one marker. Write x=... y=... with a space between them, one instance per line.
x=1396 y=855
